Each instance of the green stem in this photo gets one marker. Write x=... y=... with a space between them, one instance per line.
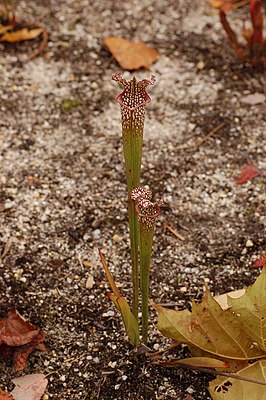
x=133 y=232
x=146 y=238
x=132 y=144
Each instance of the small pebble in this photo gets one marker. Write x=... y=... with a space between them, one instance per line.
x=112 y=364
x=117 y=238
x=201 y=65
x=249 y=243
x=190 y=390
x=96 y=234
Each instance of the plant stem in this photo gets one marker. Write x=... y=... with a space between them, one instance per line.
x=133 y=232
x=132 y=144
x=214 y=372
x=147 y=213
x=145 y=259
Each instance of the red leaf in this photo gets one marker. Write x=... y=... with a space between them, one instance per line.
x=249 y=172
x=22 y=353
x=260 y=262
x=5 y=396
x=15 y=330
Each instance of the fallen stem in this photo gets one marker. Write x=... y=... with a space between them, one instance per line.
x=211 y=133
x=212 y=372
x=175 y=233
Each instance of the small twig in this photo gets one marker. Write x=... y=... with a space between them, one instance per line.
x=158 y=354
x=210 y=134
x=174 y=232
x=104 y=373
x=60 y=369
x=203 y=140
x=212 y=372
x=99 y=388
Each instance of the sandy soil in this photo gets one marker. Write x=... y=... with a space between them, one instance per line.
x=63 y=189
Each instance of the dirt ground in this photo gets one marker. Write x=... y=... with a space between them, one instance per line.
x=63 y=188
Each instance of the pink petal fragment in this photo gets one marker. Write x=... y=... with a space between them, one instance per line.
x=29 y=387
x=249 y=172
x=260 y=262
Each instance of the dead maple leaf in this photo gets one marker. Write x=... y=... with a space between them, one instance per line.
x=224 y=388
x=224 y=334
x=131 y=55
x=15 y=330
x=22 y=353
x=29 y=387
x=18 y=338
x=21 y=35
x=249 y=172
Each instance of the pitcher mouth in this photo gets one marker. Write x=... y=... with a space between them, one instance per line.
x=134 y=94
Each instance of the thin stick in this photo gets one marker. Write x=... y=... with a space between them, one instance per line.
x=203 y=140
x=175 y=233
x=210 y=134
x=212 y=372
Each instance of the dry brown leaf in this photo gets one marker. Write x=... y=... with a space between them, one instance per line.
x=15 y=330
x=21 y=35
x=22 y=353
x=131 y=55
x=18 y=339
